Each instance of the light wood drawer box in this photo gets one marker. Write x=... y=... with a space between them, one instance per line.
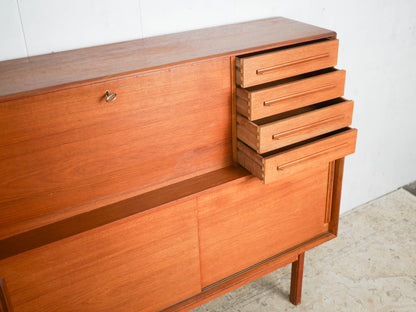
x=272 y=166
x=289 y=94
x=285 y=62
x=291 y=127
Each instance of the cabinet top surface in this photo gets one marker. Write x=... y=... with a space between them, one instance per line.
x=50 y=72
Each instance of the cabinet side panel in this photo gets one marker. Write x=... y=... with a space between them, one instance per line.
x=249 y=222
x=68 y=152
x=142 y=263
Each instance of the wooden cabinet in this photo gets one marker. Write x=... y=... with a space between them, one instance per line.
x=157 y=174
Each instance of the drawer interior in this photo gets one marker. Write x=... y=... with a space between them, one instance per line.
x=309 y=141
x=286 y=62
x=291 y=79
x=297 y=112
x=286 y=47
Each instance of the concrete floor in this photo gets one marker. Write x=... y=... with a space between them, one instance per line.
x=371 y=266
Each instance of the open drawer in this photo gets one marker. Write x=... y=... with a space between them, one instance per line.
x=271 y=166
x=285 y=62
x=291 y=127
x=291 y=93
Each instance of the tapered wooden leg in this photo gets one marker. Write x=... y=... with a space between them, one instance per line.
x=296 y=282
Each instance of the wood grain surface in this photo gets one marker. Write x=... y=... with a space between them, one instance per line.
x=103 y=215
x=142 y=263
x=289 y=94
x=138 y=204
x=308 y=155
x=77 y=67
x=247 y=276
x=249 y=222
x=282 y=63
x=68 y=152
x=295 y=158
x=5 y=305
x=277 y=132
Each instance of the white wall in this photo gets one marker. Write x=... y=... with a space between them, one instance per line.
x=377 y=47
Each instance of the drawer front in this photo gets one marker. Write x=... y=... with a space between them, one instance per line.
x=258 y=103
x=145 y=262
x=284 y=163
x=285 y=62
x=70 y=151
x=237 y=232
x=276 y=134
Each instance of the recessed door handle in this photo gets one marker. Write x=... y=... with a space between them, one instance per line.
x=306 y=127
x=294 y=95
x=308 y=157
x=300 y=61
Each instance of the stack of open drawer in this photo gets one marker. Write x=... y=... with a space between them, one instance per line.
x=290 y=112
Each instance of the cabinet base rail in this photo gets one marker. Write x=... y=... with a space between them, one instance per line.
x=294 y=255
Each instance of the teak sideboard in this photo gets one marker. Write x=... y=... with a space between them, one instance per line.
x=160 y=173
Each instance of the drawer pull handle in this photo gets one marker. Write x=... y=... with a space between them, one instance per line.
x=306 y=127
x=294 y=95
x=308 y=157
x=277 y=67
x=110 y=97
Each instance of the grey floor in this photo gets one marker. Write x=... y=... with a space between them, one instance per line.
x=371 y=266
